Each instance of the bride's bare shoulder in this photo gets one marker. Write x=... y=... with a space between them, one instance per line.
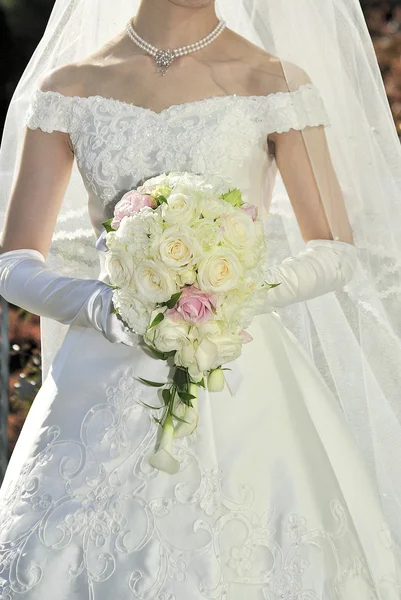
x=264 y=72
x=84 y=77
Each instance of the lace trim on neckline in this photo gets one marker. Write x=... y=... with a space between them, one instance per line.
x=175 y=107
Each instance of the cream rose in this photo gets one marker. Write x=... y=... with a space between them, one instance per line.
x=213 y=208
x=178 y=248
x=132 y=310
x=153 y=281
x=208 y=233
x=229 y=307
x=120 y=267
x=180 y=209
x=219 y=271
x=238 y=230
x=168 y=335
x=228 y=346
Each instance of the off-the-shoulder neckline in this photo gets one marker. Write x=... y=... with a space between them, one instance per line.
x=174 y=107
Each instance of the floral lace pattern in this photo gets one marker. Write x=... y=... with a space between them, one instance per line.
x=103 y=502
x=119 y=144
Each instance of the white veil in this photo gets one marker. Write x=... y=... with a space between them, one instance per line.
x=353 y=336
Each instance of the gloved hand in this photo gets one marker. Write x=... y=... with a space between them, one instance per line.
x=324 y=266
x=27 y=281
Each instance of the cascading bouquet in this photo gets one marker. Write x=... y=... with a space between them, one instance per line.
x=187 y=263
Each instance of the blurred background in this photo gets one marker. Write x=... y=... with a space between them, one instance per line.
x=22 y=23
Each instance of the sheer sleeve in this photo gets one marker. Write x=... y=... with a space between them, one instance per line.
x=50 y=111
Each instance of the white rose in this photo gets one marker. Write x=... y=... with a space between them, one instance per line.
x=185 y=356
x=229 y=346
x=178 y=248
x=153 y=281
x=153 y=183
x=214 y=208
x=180 y=208
x=208 y=328
x=120 y=267
x=168 y=335
x=229 y=306
x=238 y=230
x=206 y=354
x=208 y=233
x=219 y=271
x=132 y=310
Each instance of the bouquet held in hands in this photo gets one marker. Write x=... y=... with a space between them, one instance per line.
x=187 y=261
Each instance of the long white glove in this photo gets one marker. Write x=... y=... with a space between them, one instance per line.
x=27 y=281
x=324 y=266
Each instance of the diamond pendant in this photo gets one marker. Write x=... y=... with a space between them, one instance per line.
x=164 y=58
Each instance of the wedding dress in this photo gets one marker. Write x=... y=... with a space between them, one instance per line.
x=272 y=500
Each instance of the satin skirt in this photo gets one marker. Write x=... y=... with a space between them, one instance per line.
x=272 y=501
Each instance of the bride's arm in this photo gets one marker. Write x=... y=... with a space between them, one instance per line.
x=38 y=191
x=304 y=162
x=25 y=278
x=329 y=260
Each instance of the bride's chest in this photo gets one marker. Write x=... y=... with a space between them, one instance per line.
x=118 y=145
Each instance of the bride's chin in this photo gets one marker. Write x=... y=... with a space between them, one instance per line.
x=192 y=3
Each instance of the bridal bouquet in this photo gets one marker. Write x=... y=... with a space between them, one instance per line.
x=186 y=260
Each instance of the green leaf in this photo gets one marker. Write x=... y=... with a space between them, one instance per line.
x=158 y=319
x=234 y=197
x=201 y=383
x=185 y=396
x=272 y=285
x=115 y=312
x=173 y=300
x=180 y=377
x=107 y=225
x=166 y=395
x=160 y=199
x=151 y=383
x=115 y=287
x=149 y=406
x=156 y=353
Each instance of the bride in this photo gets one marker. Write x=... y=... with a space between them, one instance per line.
x=290 y=487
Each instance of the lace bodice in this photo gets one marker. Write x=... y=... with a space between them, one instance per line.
x=118 y=144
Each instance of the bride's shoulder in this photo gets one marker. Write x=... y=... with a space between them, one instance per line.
x=80 y=78
x=75 y=79
x=266 y=73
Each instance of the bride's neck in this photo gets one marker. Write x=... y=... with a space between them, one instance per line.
x=167 y=25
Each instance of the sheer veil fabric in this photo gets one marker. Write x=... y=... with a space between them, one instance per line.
x=353 y=336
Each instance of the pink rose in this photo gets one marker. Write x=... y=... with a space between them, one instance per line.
x=251 y=210
x=131 y=203
x=193 y=306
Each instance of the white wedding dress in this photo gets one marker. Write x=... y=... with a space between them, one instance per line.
x=272 y=500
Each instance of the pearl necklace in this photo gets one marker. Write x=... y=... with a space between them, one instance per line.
x=164 y=58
